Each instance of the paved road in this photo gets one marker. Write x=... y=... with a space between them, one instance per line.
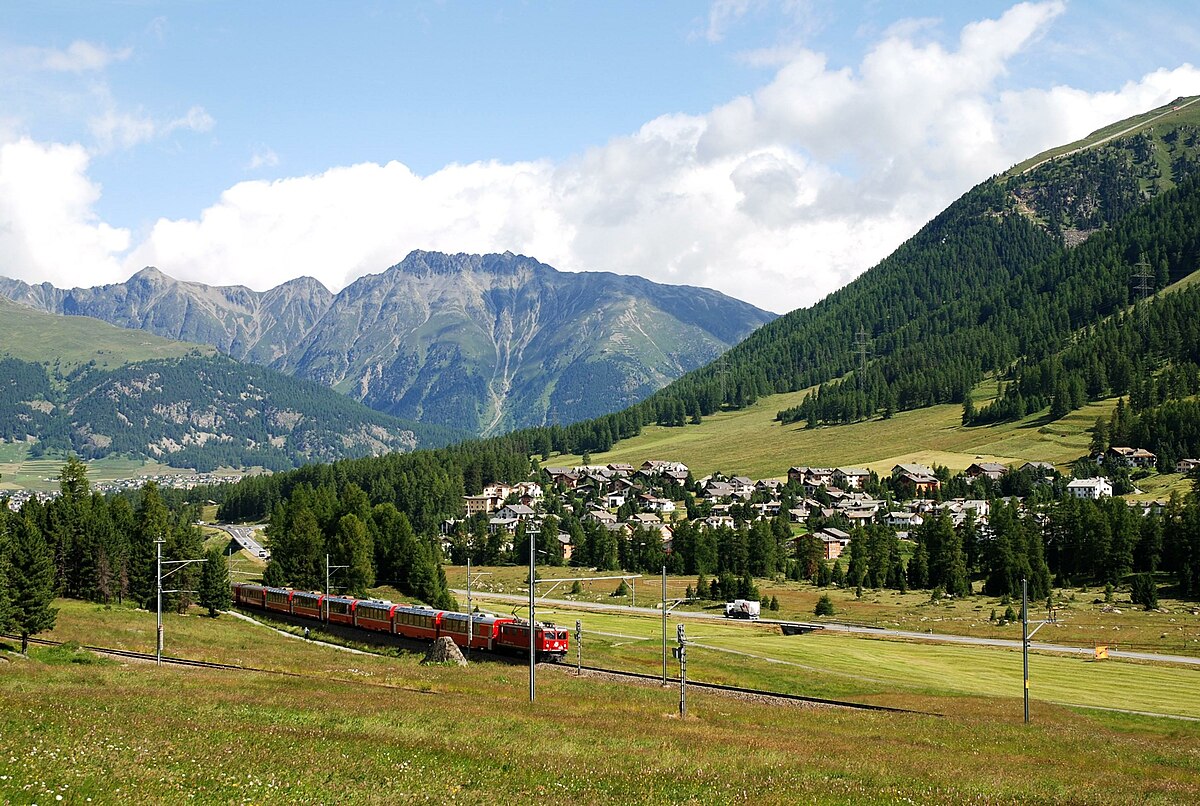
x=247 y=538
x=943 y=638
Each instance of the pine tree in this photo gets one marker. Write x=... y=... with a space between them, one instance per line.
x=31 y=580
x=214 y=583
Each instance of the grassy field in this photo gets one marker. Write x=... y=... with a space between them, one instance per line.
x=78 y=340
x=1082 y=617
x=19 y=472
x=367 y=729
x=750 y=441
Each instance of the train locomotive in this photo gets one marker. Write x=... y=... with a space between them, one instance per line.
x=487 y=631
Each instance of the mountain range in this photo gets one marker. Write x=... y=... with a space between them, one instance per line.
x=74 y=384
x=481 y=343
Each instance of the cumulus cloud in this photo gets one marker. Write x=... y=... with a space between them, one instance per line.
x=777 y=197
x=48 y=228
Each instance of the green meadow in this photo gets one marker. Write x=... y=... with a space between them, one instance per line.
x=750 y=441
x=384 y=729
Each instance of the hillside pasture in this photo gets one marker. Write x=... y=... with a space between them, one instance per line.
x=368 y=729
x=751 y=441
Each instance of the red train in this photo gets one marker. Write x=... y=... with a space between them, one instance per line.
x=488 y=631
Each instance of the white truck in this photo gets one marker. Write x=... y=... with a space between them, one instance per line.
x=742 y=608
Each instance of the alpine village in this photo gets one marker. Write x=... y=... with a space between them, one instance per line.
x=934 y=539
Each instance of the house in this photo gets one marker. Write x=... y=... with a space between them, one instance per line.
x=743 y=487
x=600 y=516
x=905 y=520
x=622 y=469
x=717 y=490
x=655 y=504
x=562 y=477
x=502 y=524
x=482 y=503
x=657 y=467
x=1187 y=466
x=518 y=512
x=1131 y=457
x=834 y=542
x=772 y=486
x=645 y=519
x=851 y=478
x=615 y=499
x=1039 y=470
x=921 y=478
x=1094 y=488
x=498 y=490
x=992 y=470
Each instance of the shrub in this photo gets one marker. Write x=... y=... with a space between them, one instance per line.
x=775 y=603
x=622 y=590
x=577 y=588
x=824 y=606
x=1009 y=615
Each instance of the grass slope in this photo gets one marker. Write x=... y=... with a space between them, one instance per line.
x=71 y=341
x=750 y=441
x=366 y=729
x=1182 y=110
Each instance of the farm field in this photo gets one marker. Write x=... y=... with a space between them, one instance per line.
x=750 y=441
x=374 y=729
x=19 y=472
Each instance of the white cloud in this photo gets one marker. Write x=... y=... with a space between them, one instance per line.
x=262 y=158
x=116 y=129
x=48 y=229
x=778 y=197
x=79 y=57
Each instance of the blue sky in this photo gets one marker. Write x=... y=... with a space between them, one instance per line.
x=772 y=150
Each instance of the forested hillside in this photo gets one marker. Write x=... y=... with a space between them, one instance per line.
x=1000 y=279
x=200 y=412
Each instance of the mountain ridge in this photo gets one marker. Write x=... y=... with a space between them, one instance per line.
x=478 y=342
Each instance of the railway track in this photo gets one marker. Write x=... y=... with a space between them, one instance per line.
x=692 y=684
x=752 y=692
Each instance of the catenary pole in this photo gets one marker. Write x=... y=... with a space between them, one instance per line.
x=532 y=625
x=1025 y=640
x=664 y=624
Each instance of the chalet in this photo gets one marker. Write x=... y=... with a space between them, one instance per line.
x=991 y=470
x=772 y=486
x=717 y=490
x=656 y=467
x=1187 y=466
x=564 y=477
x=1094 y=488
x=717 y=521
x=655 y=504
x=743 y=486
x=904 y=520
x=920 y=477
x=622 y=469
x=600 y=516
x=616 y=499
x=811 y=477
x=502 y=524
x=518 y=512
x=1131 y=457
x=644 y=519
x=851 y=478
x=1039 y=470
x=859 y=516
